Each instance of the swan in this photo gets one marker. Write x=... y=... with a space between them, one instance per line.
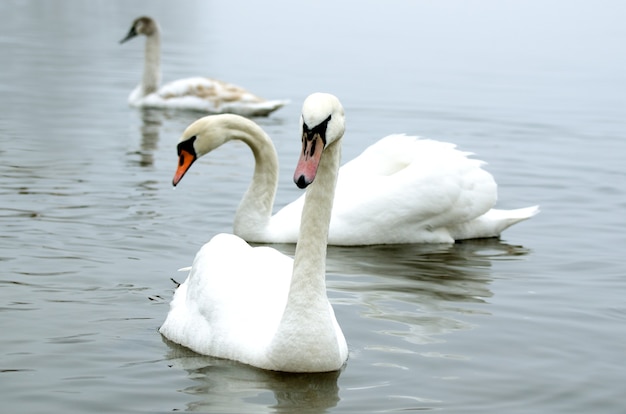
x=256 y=305
x=401 y=189
x=197 y=93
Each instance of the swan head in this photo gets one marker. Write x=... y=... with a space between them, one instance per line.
x=203 y=136
x=322 y=122
x=141 y=26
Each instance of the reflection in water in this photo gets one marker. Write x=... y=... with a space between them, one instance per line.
x=228 y=386
x=425 y=290
x=151 y=121
x=415 y=292
x=456 y=272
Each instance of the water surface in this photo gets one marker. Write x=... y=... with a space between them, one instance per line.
x=91 y=231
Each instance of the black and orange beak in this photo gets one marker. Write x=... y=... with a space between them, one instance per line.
x=186 y=156
x=185 y=159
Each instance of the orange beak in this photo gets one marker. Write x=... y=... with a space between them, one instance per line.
x=185 y=159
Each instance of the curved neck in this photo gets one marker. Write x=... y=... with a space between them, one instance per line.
x=255 y=208
x=152 y=64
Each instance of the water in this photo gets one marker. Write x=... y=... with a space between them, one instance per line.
x=92 y=231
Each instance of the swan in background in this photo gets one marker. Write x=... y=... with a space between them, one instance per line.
x=401 y=189
x=198 y=93
x=256 y=305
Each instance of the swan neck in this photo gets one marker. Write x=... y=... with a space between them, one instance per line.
x=152 y=64
x=308 y=326
x=255 y=209
x=309 y=272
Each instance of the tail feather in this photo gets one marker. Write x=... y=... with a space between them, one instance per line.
x=492 y=223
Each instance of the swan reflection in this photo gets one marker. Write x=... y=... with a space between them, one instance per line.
x=424 y=289
x=227 y=386
x=151 y=121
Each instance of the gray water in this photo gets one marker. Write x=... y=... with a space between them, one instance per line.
x=92 y=232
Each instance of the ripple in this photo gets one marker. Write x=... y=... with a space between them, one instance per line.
x=73 y=339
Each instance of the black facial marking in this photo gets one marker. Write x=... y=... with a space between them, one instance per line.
x=186 y=145
x=310 y=135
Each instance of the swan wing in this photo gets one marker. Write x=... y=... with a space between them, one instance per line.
x=405 y=189
x=213 y=96
x=232 y=301
x=401 y=189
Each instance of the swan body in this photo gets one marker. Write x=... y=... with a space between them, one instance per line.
x=401 y=189
x=256 y=305
x=196 y=93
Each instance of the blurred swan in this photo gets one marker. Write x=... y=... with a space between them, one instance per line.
x=256 y=305
x=197 y=93
x=401 y=189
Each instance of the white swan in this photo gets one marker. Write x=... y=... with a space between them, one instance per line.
x=198 y=93
x=399 y=190
x=256 y=305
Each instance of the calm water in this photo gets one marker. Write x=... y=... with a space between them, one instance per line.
x=91 y=231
